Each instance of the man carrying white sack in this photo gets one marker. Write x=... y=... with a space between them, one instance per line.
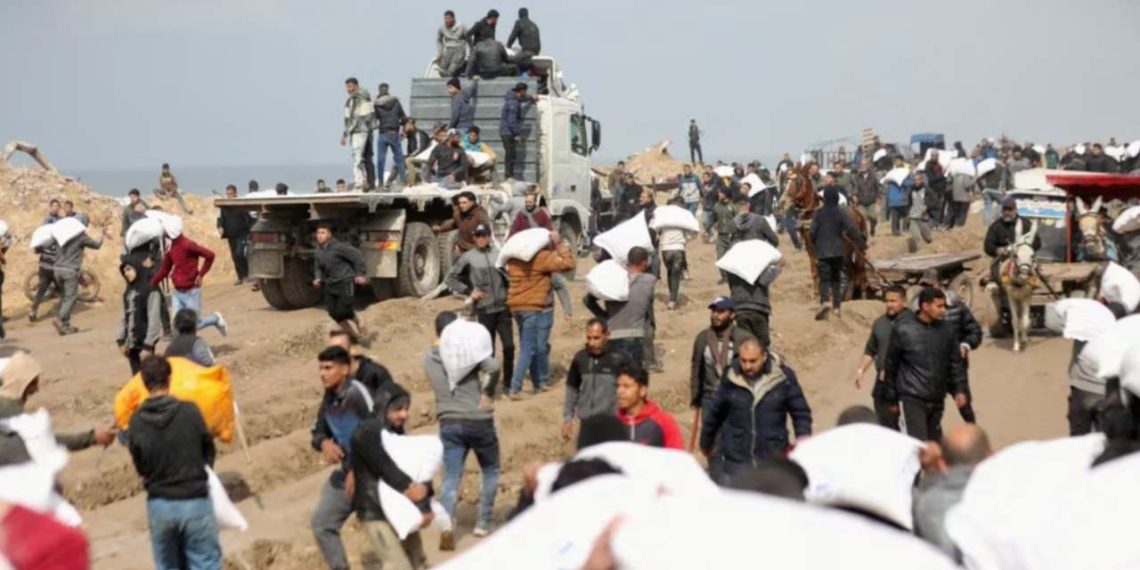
x=628 y=319
x=466 y=423
x=68 y=268
x=963 y=448
x=371 y=464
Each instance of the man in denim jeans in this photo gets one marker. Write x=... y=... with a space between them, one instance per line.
x=181 y=264
x=171 y=448
x=390 y=119
x=466 y=423
x=530 y=298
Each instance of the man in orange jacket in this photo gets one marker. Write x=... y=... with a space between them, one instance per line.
x=531 y=300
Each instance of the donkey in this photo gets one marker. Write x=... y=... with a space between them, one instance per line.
x=1018 y=279
x=1094 y=243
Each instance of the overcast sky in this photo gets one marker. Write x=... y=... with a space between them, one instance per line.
x=132 y=83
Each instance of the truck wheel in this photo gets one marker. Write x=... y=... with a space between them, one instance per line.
x=297 y=284
x=419 y=261
x=274 y=295
x=447 y=254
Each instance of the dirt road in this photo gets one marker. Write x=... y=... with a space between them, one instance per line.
x=272 y=355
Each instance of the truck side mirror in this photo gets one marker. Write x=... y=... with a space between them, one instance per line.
x=595 y=135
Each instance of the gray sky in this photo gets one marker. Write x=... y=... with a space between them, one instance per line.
x=132 y=83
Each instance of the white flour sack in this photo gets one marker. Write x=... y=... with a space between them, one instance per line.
x=608 y=281
x=625 y=236
x=462 y=346
x=748 y=259
x=66 y=230
x=524 y=245
x=142 y=232
x=170 y=223
x=674 y=217
x=1119 y=285
x=225 y=511
x=420 y=457
x=1078 y=319
x=864 y=466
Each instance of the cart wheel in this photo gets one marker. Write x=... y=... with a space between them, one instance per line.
x=963 y=286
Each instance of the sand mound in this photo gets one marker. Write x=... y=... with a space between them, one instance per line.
x=25 y=193
x=654 y=166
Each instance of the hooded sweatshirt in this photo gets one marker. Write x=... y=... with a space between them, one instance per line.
x=462 y=403
x=830 y=224
x=653 y=426
x=390 y=116
x=141 y=326
x=371 y=463
x=171 y=447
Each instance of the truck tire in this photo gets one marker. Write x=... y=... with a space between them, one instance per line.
x=297 y=284
x=447 y=253
x=275 y=295
x=419 y=264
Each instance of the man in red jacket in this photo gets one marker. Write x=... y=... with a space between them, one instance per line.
x=181 y=264
x=648 y=423
x=531 y=216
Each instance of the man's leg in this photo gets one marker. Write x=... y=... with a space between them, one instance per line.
x=823 y=266
x=692 y=153
x=540 y=367
x=934 y=420
x=164 y=535
x=508 y=157
x=888 y=418
x=69 y=292
x=192 y=299
x=485 y=443
x=673 y=272
x=201 y=548
x=525 y=323
x=915 y=418
x=235 y=245
x=723 y=243
x=359 y=174
x=398 y=159
x=838 y=282
x=648 y=342
x=632 y=348
x=507 y=339
x=413 y=171
x=381 y=155
x=387 y=546
x=1081 y=410
x=333 y=508
x=454 y=455
x=46 y=277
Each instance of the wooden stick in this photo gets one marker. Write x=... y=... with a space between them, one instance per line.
x=241 y=434
x=695 y=430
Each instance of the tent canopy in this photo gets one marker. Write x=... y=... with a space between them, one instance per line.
x=1091 y=185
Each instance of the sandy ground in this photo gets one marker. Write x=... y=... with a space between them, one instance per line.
x=1018 y=397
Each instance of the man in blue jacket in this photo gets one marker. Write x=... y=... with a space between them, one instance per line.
x=462 y=104
x=510 y=126
x=747 y=417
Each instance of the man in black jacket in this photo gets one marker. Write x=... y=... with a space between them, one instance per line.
x=475 y=274
x=969 y=334
x=1001 y=237
x=753 y=307
x=372 y=374
x=829 y=227
x=390 y=119
x=875 y=351
x=483 y=29
x=418 y=141
x=371 y=465
x=344 y=405
x=527 y=34
x=234 y=226
x=337 y=267
x=447 y=165
x=713 y=351
x=171 y=449
x=751 y=226
x=591 y=383
x=923 y=364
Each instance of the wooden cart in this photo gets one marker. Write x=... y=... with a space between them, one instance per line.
x=907 y=271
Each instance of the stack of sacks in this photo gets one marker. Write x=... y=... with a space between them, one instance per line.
x=748 y=259
x=625 y=236
x=862 y=466
x=1010 y=493
x=463 y=345
x=524 y=245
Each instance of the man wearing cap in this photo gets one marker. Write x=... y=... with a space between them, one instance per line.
x=20 y=380
x=465 y=217
x=510 y=126
x=475 y=275
x=1000 y=239
x=713 y=351
x=447 y=165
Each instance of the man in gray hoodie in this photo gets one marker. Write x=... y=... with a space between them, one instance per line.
x=475 y=275
x=628 y=319
x=68 y=267
x=466 y=423
x=451 y=46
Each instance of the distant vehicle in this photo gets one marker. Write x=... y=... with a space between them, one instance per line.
x=926 y=141
x=393 y=229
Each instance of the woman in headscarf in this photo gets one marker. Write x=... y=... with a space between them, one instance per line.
x=141 y=326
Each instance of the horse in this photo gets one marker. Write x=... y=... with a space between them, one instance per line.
x=1018 y=280
x=1094 y=241
x=801 y=194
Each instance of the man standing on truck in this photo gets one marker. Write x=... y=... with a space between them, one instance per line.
x=450 y=46
x=390 y=118
x=448 y=164
x=695 y=142
x=510 y=126
x=462 y=107
x=234 y=226
x=483 y=29
x=465 y=217
x=474 y=274
x=358 y=119
x=337 y=267
x=530 y=41
x=418 y=141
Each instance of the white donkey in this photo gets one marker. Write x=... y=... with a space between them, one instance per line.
x=1018 y=279
x=1094 y=242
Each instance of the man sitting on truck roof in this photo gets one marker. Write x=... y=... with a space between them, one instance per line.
x=480 y=156
x=489 y=59
x=527 y=34
x=465 y=217
x=451 y=46
x=447 y=164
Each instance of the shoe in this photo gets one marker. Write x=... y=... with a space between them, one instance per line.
x=256 y=286
x=822 y=313
x=238 y=282
x=447 y=541
x=671 y=305
x=514 y=396
x=481 y=530
x=685 y=275
x=59 y=327
x=543 y=388
x=33 y=317
x=837 y=312
x=222 y=326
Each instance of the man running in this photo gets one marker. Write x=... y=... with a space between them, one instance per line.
x=337 y=267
